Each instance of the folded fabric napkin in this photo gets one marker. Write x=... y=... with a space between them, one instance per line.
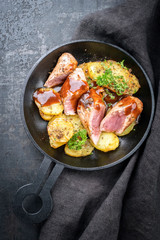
x=122 y=202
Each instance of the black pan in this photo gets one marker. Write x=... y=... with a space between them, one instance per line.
x=35 y=126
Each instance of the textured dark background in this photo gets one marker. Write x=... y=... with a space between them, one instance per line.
x=28 y=29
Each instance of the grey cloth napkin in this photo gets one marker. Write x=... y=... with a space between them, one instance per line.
x=122 y=202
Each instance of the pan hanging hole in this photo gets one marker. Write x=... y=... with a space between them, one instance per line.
x=32 y=204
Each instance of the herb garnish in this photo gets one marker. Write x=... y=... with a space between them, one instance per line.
x=109 y=94
x=108 y=79
x=103 y=98
x=122 y=65
x=78 y=140
x=89 y=81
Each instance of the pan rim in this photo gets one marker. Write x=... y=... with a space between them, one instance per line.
x=99 y=167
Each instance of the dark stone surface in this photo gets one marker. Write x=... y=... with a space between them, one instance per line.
x=28 y=29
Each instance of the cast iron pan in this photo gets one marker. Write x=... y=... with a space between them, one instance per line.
x=35 y=126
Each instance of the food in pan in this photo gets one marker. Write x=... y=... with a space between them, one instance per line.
x=94 y=107
x=114 y=76
x=48 y=101
x=72 y=89
x=107 y=142
x=66 y=64
x=91 y=110
x=122 y=115
x=45 y=116
x=76 y=122
x=60 y=130
x=85 y=150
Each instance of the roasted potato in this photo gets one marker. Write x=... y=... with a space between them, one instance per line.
x=76 y=122
x=130 y=79
x=84 y=67
x=107 y=142
x=55 y=144
x=44 y=116
x=86 y=150
x=54 y=109
x=48 y=101
x=60 y=130
x=122 y=76
x=127 y=130
x=95 y=69
x=37 y=104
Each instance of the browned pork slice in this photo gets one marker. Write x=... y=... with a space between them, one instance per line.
x=72 y=89
x=66 y=64
x=91 y=110
x=125 y=112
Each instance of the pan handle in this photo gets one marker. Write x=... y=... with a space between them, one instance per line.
x=39 y=190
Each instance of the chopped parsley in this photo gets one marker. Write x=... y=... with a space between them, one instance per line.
x=109 y=94
x=108 y=79
x=89 y=81
x=78 y=140
x=122 y=65
x=103 y=98
x=112 y=97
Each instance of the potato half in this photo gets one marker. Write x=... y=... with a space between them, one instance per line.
x=127 y=130
x=84 y=67
x=60 y=130
x=107 y=142
x=86 y=150
x=76 y=122
x=123 y=74
x=44 y=116
x=55 y=144
x=95 y=69
x=48 y=101
x=54 y=109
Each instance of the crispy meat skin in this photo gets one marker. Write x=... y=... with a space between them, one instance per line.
x=72 y=89
x=91 y=110
x=122 y=115
x=66 y=64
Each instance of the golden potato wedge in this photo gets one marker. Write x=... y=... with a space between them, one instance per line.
x=54 y=109
x=37 y=104
x=86 y=150
x=84 y=67
x=44 y=116
x=122 y=81
x=55 y=144
x=95 y=69
x=60 y=129
x=127 y=130
x=76 y=122
x=107 y=142
x=48 y=101
x=130 y=79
